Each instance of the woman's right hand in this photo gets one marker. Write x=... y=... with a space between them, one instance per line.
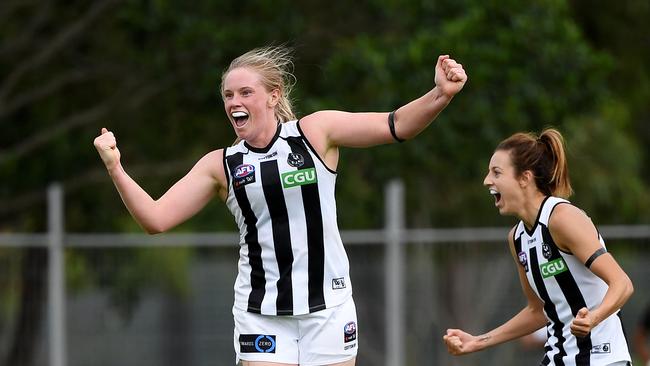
x=106 y=146
x=459 y=342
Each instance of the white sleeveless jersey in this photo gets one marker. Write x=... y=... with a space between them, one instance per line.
x=566 y=285
x=291 y=257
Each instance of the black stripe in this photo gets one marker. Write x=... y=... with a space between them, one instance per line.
x=274 y=196
x=549 y=307
x=593 y=257
x=620 y=319
x=258 y=280
x=517 y=240
x=574 y=297
x=547 y=350
x=225 y=168
x=314 y=222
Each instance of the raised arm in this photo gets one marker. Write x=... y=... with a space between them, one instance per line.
x=528 y=320
x=184 y=199
x=573 y=231
x=328 y=130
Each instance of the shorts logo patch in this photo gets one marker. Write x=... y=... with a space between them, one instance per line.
x=243 y=174
x=601 y=348
x=350 y=332
x=256 y=343
x=553 y=268
x=299 y=178
x=338 y=283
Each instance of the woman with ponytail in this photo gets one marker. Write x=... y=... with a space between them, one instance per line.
x=573 y=286
x=293 y=295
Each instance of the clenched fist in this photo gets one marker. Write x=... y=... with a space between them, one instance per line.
x=106 y=146
x=450 y=75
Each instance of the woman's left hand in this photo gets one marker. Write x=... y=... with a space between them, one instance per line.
x=450 y=75
x=583 y=323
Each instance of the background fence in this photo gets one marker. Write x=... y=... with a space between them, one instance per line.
x=410 y=285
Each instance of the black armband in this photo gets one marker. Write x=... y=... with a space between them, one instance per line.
x=391 y=126
x=593 y=257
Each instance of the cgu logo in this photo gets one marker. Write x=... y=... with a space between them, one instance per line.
x=299 y=178
x=553 y=268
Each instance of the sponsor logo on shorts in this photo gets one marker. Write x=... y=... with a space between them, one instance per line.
x=552 y=268
x=256 y=343
x=299 y=178
x=350 y=332
x=243 y=174
x=601 y=348
x=350 y=346
x=338 y=283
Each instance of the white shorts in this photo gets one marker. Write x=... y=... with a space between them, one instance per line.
x=324 y=337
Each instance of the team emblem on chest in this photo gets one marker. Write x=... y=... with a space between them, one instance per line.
x=546 y=251
x=295 y=160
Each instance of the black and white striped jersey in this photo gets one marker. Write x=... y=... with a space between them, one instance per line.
x=566 y=285
x=291 y=257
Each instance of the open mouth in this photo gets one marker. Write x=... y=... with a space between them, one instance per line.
x=496 y=194
x=240 y=118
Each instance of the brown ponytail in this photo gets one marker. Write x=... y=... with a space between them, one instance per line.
x=544 y=156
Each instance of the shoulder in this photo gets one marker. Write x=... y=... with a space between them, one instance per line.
x=212 y=163
x=570 y=226
x=319 y=119
x=213 y=155
x=317 y=126
x=566 y=215
x=322 y=116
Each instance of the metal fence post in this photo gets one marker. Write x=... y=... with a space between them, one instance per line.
x=56 y=285
x=394 y=214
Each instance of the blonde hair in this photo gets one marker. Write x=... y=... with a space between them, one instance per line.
x=274 y=64
x=545 y=156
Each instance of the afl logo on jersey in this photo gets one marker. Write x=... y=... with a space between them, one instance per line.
x=295 y=160
x=546 y=251
x=523 y=259
x=244 y=174
x=243 y=170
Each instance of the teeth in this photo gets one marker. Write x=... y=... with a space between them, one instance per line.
x=239 y=114
x=493 y=191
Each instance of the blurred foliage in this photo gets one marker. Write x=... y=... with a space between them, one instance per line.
x=150 y=70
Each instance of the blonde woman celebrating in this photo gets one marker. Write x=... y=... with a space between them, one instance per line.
x=293 y=295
